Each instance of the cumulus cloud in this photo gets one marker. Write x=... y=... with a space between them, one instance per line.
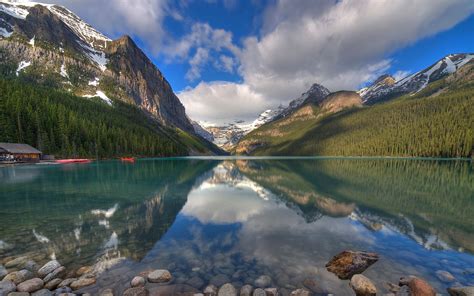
x=340 y=44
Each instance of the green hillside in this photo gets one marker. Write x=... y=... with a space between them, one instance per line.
x=69 y=126
x=437 y=122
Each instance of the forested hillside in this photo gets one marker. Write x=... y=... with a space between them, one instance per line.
x=437 y=122
x=65 y=125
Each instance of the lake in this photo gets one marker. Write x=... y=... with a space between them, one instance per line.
x=231 y=220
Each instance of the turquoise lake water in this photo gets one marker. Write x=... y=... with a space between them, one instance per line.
x=218 y=220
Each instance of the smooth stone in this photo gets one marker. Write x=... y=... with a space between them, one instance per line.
x=445 y=276
x=419 y=287
x=461 y=291
x=31 y=266
x=19 y=276
x=159 y=276
x=3 y=272
x=227 y=290
x=219 y=280
x=67 y=282
x=19 y=294
x=83 y=270
x=7 y=287
x=263 y=281
x=198 y=294
x=31 y=285
x=312 y=285
x=137 y=291
x=107 y=292
x=246 y=290
x=210 y=290
x=53 y=284
x=403 y=291
x=348 y=263
x=300 y=292
x=82 y=282
x=271 y=292
x=362 y=286
x=57 y=273
x=42 y=292
x=196 y=282
x=138 y=281
x=63 y=290
x=17 y=261
x=259 y=292
x=48 y=268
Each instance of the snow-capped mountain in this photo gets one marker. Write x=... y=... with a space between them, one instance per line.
x=51 y=43
x=386 y=87
x=228 y=135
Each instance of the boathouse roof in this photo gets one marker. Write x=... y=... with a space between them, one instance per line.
x=18 y=148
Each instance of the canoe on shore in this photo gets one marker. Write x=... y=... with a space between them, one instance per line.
x=73 y=160
x=128 y=159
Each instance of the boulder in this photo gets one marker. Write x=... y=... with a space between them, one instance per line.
x=300 y=292
x=419 y=287
x=7 y=287
x=82 y=282
x=271 y=292
x=246 y=290
x=53 y=284
x=19 y=276
x=263 y=281
x=461 y=291
x=138 y=281
x=159 y=276
x=348 y=263
x=31 y=285
x=67 y=282
x=42 y=292
x=48 y=268
x=259 y=292
x=58 y=272
x=137 y=291
x=362 y=286
x=227 y=290
x=210 y=290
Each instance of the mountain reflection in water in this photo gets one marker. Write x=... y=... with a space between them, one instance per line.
x=234 y=220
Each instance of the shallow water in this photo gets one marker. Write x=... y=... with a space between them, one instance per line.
x=215 y=220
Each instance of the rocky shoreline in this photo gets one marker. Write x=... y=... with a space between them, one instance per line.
x=22 y=276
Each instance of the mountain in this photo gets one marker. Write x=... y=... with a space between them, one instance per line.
x=228 y=135
x=385 y=87
x=435 y=121
x=51 y=46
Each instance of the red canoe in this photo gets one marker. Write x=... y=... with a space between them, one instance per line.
x=128 y=159
x=73 y=160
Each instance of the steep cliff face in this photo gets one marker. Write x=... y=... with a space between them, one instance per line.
x=60 y=48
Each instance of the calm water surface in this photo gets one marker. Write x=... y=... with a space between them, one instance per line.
x=217 y=221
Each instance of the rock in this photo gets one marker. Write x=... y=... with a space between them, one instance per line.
x=138 y=281
x=263 y=281
x=348 y=263
x=48 y=268
x=196 y=282
x=19 y=276
x=31 y=266
x=419 y=287
x=362 y=286
x=312 y=285
x=107 y=292
x=7 y=287
x=137 y=291
x=3 y=272
x=246 y=290
x=19 y=294
x=31 y=285
x=210 y=290
x=445 y=276
x=403 y=291
x=42 y=292
x=83 y=270
x=159 y=276
x=16 y=262
x=227 y=290
x=67 y=282
x=63 y=290
x=300 y=292
x=461 y=291
x=82 y=282
x=53 y=284
x=198 y=294
x=58 y=272
x=259 y=292
x=271 y=292
x=219 y=280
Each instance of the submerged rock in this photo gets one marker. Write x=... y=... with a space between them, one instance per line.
x=312 y=285
x=58 y=272
x=83 y=270
x=137 y=291
x=348 y=263
x=271 y=291
x=42 y=292
x=3 y=272
x=19 y=276
x=7 y=287
x=67 y=282
x=107 y=292
x=159 y=276
x=210 y=290
x=31 y=285
x=138 y=281
x=53 y=284
x=461 y=291
x=300 y=292
x=227 y=290
x=259 y=292
x=48 y=268
x=445 y=276
x=17 y=262
x=246 y=290
x=19 y=294
x=219 y=280
x=263 y=281
x=362 y=286
x=419 y=287
x=83 y=282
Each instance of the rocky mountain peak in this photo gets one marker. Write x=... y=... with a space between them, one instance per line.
x=385 y=79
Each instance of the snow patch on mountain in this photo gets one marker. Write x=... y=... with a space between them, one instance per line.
x=22 y=66
x=63 y=71
x=101 y=95
x=4 y=33
x=32 y=41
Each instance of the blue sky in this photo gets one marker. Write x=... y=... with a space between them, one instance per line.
x=231 y=59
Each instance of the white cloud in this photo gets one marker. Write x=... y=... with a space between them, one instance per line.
x=339 y=44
